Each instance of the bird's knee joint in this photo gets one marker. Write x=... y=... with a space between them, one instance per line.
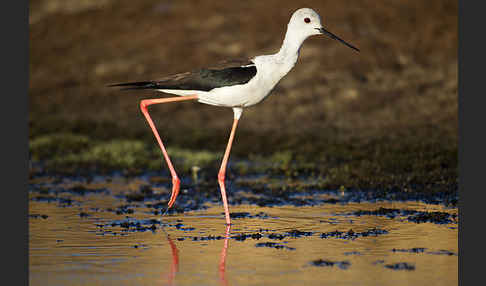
x=176 y=181
x=143 y=105
x=221 y=177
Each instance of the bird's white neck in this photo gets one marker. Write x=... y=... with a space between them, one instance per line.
x=289 y=52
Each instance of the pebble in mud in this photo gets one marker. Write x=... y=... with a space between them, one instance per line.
x=323 y=263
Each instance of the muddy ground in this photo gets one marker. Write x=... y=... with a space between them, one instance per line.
x=381 y=120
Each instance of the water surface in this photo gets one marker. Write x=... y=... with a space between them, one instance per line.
x=84 y=241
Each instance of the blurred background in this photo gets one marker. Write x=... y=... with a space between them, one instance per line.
x=384 y=117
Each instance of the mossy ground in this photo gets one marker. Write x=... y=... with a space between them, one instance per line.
x=381 y=165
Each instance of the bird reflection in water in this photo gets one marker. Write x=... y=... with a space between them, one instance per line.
x=222 y=260
x=174 y=268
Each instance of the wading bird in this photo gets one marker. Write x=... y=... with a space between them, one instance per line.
x=234 y=84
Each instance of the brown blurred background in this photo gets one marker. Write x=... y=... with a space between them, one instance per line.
x=399 y=93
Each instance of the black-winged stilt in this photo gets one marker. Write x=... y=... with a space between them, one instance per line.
x=235 y=84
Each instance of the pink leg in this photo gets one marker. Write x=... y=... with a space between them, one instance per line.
x=222 y=261
x=222 y=172
x=143 y=106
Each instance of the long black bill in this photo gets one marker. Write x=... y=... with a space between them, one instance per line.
x=331 y=35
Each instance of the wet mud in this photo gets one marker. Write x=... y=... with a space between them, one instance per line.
x=196 y=195
x=412 y=215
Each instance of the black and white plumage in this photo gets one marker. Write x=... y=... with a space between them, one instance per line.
x=235 y=84
x=227 y=73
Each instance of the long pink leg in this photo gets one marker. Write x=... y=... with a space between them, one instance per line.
x=143 y=106
x=222 y=172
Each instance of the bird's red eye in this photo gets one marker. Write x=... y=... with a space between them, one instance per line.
x=307 y=20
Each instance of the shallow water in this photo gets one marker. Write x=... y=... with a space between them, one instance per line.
x=85 y=242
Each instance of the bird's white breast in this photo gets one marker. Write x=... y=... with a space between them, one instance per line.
x=269 y=72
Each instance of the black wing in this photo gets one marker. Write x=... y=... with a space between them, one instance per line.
x=227 y=74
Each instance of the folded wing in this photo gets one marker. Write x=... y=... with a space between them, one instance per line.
x=226 y=74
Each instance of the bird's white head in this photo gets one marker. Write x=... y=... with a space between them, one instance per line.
x=305 y=22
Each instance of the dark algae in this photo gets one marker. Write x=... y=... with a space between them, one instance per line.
x=350 y=234
x=242 y=236
x=273 y=245
x=328 y=263
x=84 y=214
x=297 y=233
x=401 y=266
x=38 y=216
x=411 y=250
x=236 y=215
x=443 y=252
x=412 y=215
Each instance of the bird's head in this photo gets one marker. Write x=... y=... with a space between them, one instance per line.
x=306 y=22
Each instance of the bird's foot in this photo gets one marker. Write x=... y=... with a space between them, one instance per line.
x=175 y=191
